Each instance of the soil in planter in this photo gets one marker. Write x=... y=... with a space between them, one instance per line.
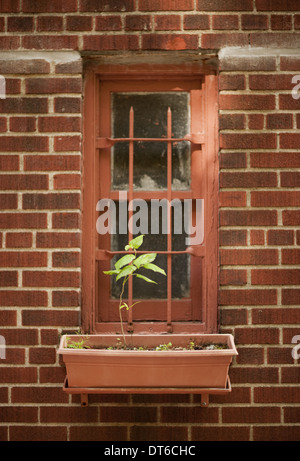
x=161 y=347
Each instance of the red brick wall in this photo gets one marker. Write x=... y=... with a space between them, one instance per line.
x=40 y=182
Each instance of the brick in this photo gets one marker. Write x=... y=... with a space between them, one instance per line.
x=279 y=121
x=254 y=21
x=250 y=415
x=128 y=414
x=290 y=62
x=225 y=22
x=10 y=6
x=248 y=179
x=42 y=355
x=250 y=355
x=24 y=105
x=217 y=433
x=110 y=42
x=50 y=42
x=167 y=22
x=234 y=316
x=24 y=144
x=275 y=160
x=65 y=259
x=49 y=337
x=23 y=182
x=79 y=23
x=9 y=43
x=68 y=415
x=232 y=199
x=251 y=335
x=53 y=85
x=49 y=23
x=107 y=5
x=23 y=220
x=23 y=259
x=67 y=105
x=56 y=6
x=196 y=22
x=248 y=297
x=270 y=82
x=290 y=217
x=275 y=277
x=3 y=125
x=20 y=336
x=276 y=433
x=18 y=414
x=108 y=23
x=277 y=315
x=233 y=160
x=248 y=140
x=166 y=5
x=51 y=318
x=246 y=102
x=291 y=415
x=248 y=63
x=65 y=220
x=8 y=278
x=274 y=40
x=54 y=124
x=231 y=82
x=158 y=433
x=290 y=296
x=8 y=201
x=18 y=375
x=256 y=121
x=280 y=237
x=51 y=279
x=67 y=143
x=170 y=42
x=52 y=162
x=51 y=201
x=216 y=41
x=20 y=24
x=8 y=318
x=233 y=237
x=65 y=299
x=57 y=239
x=22 y=124
x=277 y=5
x=232 y=121
x=280 y=355
x=281 y=22
x=103 y=433
x=185 y=414
x=138 y=22
x=257 y=237
x=284 y=394
x=37 y=433
x=249 y=257
x=23 y=298
x=248 y=217
x=275 y=198
x=225 y=5
x=287 y=102
x=66 y=181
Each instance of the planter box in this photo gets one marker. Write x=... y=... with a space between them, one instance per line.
x=119 y=369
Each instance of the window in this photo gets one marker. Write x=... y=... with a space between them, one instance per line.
x=150 y=153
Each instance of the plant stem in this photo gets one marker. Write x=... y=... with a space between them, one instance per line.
x=120 y=304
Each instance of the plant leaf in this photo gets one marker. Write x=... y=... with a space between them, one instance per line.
x=135 y=243
x=144 y=259
x=145 y=278
x=154 y=268
x=126 y=271
x=112 y=272
x=127 y=259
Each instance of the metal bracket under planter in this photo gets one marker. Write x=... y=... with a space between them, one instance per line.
x=205 y=392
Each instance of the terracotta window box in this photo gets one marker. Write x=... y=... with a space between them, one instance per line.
x=95 y=370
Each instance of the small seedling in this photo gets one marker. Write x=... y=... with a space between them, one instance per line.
x=129 y=266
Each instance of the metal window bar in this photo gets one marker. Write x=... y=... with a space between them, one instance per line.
x=101 y=143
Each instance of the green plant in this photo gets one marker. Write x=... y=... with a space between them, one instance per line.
x=76 y=344
x=130 y=265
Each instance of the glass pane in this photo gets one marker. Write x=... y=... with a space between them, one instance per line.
x=156 y=242
x=150 y=158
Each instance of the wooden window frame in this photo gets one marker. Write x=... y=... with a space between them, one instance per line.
x=208 y=111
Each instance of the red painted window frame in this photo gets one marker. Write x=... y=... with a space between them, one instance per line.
x=96 y=127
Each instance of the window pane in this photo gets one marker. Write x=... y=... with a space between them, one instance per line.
x=150 y=158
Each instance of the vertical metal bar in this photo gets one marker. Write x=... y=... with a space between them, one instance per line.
x=130 y=198
x=169 y=194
